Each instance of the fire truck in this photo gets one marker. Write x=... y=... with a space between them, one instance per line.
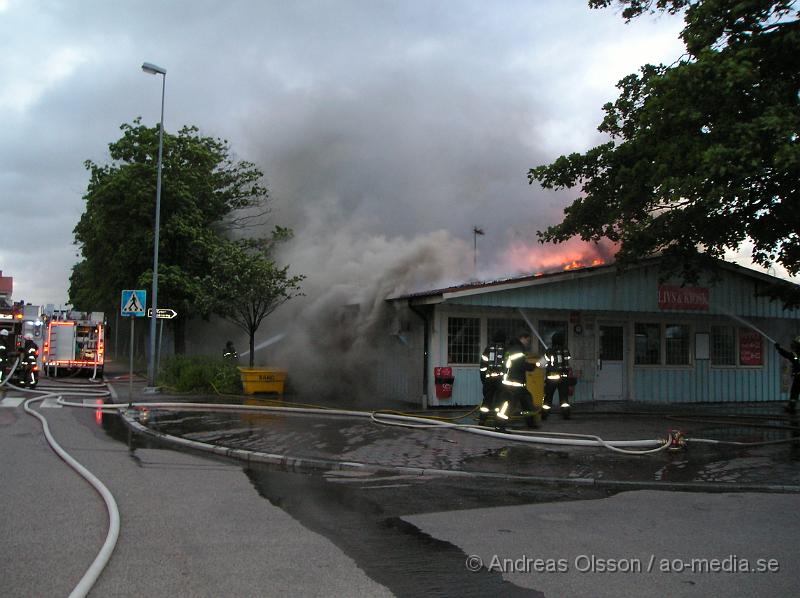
x=18 y=320
x=74 y=342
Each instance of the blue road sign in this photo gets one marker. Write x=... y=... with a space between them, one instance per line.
x=132 y=303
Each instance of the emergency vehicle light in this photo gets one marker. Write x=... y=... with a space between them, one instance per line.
x=69 y=362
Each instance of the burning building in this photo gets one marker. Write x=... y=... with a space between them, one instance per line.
x=632 y=336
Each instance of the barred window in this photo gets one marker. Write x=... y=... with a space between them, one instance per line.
x=648 y=344
x=677 y=344
x=723 y=345
x=510 y=326
x=463 y=340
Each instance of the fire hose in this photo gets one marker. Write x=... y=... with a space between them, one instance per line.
x=89 y=578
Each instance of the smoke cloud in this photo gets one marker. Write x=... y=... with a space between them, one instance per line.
x=383 y=183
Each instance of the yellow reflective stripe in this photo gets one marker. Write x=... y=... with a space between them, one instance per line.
x=510 y=383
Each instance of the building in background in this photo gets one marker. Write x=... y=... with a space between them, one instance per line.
x=6 y=289
x=632 y=336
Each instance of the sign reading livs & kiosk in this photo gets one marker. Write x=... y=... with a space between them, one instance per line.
x=686 y=298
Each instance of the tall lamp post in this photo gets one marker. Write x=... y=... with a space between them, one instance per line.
x=151 y=366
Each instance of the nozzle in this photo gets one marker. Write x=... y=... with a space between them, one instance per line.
x=677 y=441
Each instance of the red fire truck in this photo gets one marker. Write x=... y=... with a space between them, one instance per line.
x=74 y=341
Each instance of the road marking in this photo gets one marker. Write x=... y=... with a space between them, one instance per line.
x=50 y=404
x=12 y=401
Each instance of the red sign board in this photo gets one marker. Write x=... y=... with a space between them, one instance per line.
x=750 y=347
x=686 y=298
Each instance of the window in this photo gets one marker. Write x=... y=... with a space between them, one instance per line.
x=648 y=344
x=463 y=340
x=547 y=328
x=677 y=344
x=508 y=325
x=723 y=345
x=611 y=343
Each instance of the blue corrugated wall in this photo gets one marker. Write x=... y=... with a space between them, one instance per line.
x=635 y=290
x=633 y=295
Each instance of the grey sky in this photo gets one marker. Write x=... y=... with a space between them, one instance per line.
x=377 y=124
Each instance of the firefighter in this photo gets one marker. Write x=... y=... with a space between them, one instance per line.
x=4 y=342
x=556 y=376
x=794 y=358
x=28 y=365
x=514 y=381
x=491 y=372
x=230 y=353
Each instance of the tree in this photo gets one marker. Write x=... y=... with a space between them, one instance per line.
x=205 y=195
x=244 y=285
x=704 y=153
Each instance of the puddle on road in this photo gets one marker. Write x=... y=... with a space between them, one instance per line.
x=357 y=440
x=364 y=520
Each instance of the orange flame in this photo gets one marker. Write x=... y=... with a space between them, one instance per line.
x=571 y=255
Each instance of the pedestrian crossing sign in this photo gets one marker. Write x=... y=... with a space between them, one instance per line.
x=133 y=303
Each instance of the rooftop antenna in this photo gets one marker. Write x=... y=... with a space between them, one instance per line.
x=475 y=232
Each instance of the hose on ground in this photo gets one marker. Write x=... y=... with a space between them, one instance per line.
x=91 y=575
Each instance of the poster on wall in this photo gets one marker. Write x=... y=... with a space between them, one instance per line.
x=750 y=347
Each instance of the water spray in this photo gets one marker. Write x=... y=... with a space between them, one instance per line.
x=749 y=325
x=544 y=344
x=270 y=341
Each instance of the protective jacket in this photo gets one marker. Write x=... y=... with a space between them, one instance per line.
x=492 y=363
x=29 y=352
x=515 y=364
x=794 y=358
x=557 y=363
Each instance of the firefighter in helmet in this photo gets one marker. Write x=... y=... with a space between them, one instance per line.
x=230 y=354
x=514 y=381
x=794 y=358
x=29 y=368
x=491 y=372
x=4 y=342
x=556 y=376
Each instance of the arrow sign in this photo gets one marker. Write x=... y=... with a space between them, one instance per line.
x=162 y=313
x=132 y=303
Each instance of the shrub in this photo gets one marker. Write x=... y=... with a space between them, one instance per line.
x=200 y=374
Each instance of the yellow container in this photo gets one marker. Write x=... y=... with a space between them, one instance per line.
x=534 y=381
x=262 y=380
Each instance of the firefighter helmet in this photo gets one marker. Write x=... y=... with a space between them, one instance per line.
x=558 y=339
x=3 y=332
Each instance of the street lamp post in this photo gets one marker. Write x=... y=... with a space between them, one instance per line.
x=151 y=367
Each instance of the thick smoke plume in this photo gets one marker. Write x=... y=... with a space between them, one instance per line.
x=342 y=327
x=383 y=180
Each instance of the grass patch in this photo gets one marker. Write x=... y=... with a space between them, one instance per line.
x=200 y=374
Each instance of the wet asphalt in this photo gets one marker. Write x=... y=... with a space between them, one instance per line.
x=768 y=453
x=366 y=514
